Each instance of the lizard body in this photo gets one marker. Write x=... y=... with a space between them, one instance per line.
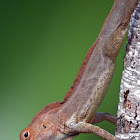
x=75 y=114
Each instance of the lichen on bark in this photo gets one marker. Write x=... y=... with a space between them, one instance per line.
x=128 y=124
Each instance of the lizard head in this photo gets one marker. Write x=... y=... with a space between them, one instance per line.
x=41 y=130
x=44 y=126
x=41 y=127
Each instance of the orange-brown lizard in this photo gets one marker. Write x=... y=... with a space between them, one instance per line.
x=77 y=112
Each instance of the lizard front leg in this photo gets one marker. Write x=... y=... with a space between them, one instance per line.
x=101 y=116
x=84 y=127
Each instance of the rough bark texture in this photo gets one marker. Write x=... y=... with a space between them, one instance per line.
x=128 y=124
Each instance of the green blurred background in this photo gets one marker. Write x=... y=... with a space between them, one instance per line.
x=43 y=45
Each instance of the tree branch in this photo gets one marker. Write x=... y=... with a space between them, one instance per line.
x=128 y=124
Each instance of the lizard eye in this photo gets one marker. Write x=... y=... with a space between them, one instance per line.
x=26 y=135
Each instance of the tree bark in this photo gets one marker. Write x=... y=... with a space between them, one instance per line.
x=128 y=123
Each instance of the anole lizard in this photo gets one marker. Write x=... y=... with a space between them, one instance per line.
x=77 y=112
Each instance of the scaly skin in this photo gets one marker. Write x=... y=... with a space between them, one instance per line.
x=74 y=115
